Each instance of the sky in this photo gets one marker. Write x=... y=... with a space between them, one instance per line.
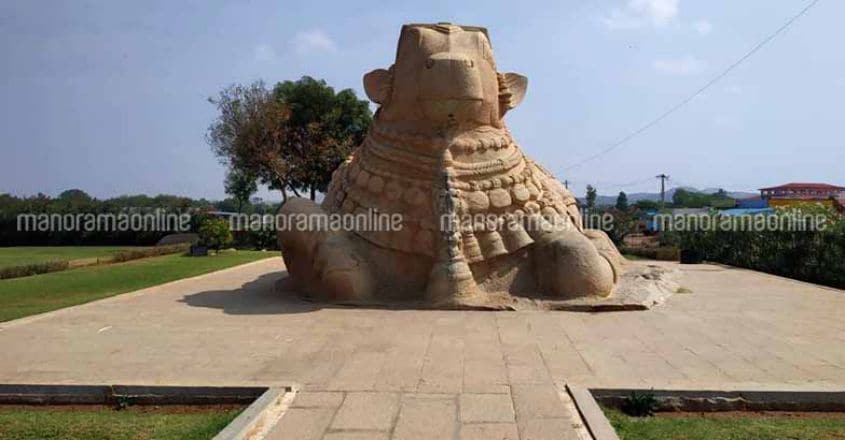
x=111 y=96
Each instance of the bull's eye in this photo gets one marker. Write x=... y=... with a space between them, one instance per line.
x=429 y=63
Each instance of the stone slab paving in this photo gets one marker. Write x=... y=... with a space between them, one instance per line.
x=370 y=373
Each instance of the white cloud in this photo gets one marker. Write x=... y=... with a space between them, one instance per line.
x=703 y=27
x=688 y=65
x=641 y=13
x=314 y=40
x=264 y=53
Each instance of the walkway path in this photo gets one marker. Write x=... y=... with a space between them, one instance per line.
x=366 y=373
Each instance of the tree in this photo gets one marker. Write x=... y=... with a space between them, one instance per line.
x=75 y=201
x=622 y=201
x=591 y=197
x=251 y=134
x=241 y=186
x=625 y=222
x=291 y=138
x=690 y=199
x=325 y=126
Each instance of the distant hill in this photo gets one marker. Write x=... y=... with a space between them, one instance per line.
x=603 y=200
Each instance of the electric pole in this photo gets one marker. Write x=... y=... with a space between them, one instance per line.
x=663 y=178
x=566 y=183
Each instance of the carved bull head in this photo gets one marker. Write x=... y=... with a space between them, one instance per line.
x=444 y=74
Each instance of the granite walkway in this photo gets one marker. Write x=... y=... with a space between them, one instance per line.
x=368 y=373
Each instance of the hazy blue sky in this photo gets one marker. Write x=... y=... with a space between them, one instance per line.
x=110 y=96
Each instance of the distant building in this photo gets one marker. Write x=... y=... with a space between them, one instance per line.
x=793 y=194
x=741 y=212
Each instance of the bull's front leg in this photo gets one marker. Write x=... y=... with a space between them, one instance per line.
x=569 y=263
x=322 y=263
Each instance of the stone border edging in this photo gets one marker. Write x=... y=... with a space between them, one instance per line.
x=587 y=402
x=256 y=421
x=592 y=416
x=714 y=400
x=266 y=406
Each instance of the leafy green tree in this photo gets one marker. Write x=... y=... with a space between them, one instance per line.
x=250 y=134
x=241 y=185
x=622 y=201
x=215 y=233
x=689 y=199
x=74 y=201
x=591 y=197
x=324 y=127
x=290 y=138
x=647 y=205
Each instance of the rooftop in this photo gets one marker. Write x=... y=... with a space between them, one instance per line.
x=810 y=186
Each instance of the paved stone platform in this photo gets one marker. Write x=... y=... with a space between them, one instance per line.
x=370 y=373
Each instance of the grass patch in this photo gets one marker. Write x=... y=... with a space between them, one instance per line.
x=768 y=426
x=21 y=297
x=633 y=257
x=25 y=423
x=23 y=255
x=683 y=290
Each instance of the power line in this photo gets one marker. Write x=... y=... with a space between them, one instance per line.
x=689 y=98
x=611 y=184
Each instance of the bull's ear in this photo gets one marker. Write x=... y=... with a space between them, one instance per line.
x=512 y=88
x=377 y=85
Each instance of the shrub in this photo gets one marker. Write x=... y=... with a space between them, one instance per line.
x=816 y=256
x=214 y=233
x=32 y=269
x=640 y=404
x=136 y=254
x=663 y=253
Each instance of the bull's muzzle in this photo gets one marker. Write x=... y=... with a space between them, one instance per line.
x=450 y=87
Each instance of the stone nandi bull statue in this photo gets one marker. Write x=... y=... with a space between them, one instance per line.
x=479 y=219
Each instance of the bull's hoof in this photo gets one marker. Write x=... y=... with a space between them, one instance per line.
x=568 y=265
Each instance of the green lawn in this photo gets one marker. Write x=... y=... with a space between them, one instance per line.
x=18 y=423
x=21 y=297
x=22 y=255
x=633 y=257
x=753 y=427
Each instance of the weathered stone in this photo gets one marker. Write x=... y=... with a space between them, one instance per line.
x=476 y=408
x=438 y=150
x=500 y=198
x=373 y=411
x=477 y=201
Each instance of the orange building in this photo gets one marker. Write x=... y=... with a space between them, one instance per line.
x=793 y=194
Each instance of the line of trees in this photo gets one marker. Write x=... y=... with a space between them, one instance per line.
x=77 y=202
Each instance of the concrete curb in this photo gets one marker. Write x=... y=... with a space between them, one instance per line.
x=266 y=405
x=716 y=400
x=592 y=416
x=131 y=294
x=587 y=402
x=36 y=394
x=256 y=421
